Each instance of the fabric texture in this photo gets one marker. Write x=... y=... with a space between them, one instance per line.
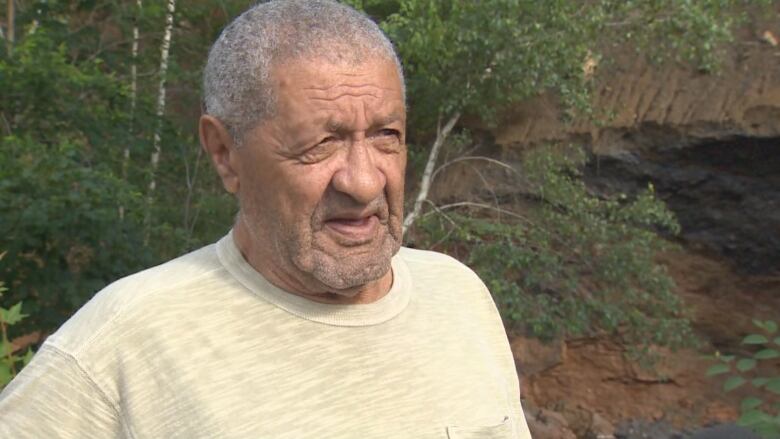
x=204 y=347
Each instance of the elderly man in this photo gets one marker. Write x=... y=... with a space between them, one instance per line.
x=308 y=320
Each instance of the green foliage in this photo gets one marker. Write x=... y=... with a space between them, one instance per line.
x=65 y=122
x=583 y=265
x=480 y=57
x=10 y=360
x=757 y=410
x=61 y=227
x=577 y=265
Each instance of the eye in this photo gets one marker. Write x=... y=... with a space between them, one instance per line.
x=387 y=140
x=387 y=132
x=321 y=150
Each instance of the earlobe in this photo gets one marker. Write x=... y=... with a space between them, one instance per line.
x=218 y=144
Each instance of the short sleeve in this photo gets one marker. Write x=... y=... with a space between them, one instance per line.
x=53 y=397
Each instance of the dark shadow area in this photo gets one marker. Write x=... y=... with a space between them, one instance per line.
x=726 y=194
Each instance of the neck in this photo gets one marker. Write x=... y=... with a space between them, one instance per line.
x=284 y=275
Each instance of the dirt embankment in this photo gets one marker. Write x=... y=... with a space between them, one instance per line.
x=648 y=105
x=710 y=144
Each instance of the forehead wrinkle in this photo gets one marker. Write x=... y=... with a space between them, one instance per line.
x=329 y=87
x=336 y=97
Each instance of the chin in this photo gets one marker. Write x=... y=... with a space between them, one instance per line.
x=350 y=275
x=348 y=269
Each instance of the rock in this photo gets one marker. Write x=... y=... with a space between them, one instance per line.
x=547 y=424
x=639 y=429
x=769 y=38
x=600 y=428
x=726 y=431
x=579 y=419
x=533 y=356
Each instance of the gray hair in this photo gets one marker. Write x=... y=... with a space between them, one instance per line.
x=236 y=86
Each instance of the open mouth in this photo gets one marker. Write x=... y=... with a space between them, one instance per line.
x=354 y=228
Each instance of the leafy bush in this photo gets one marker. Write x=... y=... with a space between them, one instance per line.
x=10 y=361
x=759 y=414
x=571 y=264
x=60 y=185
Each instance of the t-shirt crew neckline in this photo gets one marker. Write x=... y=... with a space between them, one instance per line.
x=384 y=309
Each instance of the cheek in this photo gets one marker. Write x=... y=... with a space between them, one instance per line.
x=395 y=172
x=304 y=187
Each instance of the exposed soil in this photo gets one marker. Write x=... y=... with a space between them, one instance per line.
x=710 y=144
x=597 y=376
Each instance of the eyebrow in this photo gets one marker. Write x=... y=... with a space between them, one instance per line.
x=338 y=127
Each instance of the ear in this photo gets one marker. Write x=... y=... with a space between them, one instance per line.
x=218 y=144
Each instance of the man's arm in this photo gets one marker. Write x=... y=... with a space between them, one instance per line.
x=54 y=397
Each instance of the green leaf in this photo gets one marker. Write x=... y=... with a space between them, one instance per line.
x=718 y=369
x=753 y=417
x=773 y=385
x=760 y=382
x=5 y=348
x=746 y=364
x=733 y=382
x=28 y=357
x=750 y=403
x=770 y=327
x=5 y=375
x=755 y=339
x=14 y=314
x=776 y=341
x=766 y=354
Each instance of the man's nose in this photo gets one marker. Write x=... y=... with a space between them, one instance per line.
x=359 y=176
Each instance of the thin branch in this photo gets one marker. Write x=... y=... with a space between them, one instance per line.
x=425 y=183
x=488 y=186
x=192 y=178
x=485 y=206
x=474 y=158
x=445 y=216
x=6 y=124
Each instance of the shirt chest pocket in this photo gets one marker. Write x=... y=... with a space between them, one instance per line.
x=496 y=431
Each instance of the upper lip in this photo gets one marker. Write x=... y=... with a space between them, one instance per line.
x=350 y=216
x=353 y=215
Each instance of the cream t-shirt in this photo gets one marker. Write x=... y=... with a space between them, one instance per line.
x=204 y=347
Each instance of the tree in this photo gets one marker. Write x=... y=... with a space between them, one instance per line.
x=574 y=264
x=68 y=159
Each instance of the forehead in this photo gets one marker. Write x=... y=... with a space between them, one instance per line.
x=322 y=84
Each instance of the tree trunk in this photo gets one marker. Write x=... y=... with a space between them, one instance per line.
x=157 y=147
x=425 y=183
x=133 y=94
x=10 y=16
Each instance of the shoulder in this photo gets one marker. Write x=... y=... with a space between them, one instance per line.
x=140 y=294
x=428 y=264
x=444 y=281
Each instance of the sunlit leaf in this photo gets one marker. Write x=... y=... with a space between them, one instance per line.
x=755 y=339
x=733 y=382
x=746 y=364
x=773 y=385
x=760 y=382
x=718 y=369
x=766 y=354
x=750 y=403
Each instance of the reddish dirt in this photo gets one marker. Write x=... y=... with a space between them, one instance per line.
x=595 y=375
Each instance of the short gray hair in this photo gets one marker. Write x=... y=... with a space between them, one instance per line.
x=236 y=86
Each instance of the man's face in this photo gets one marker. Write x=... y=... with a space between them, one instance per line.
x=321 y=183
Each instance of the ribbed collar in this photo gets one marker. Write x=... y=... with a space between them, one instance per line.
x=384 y=309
